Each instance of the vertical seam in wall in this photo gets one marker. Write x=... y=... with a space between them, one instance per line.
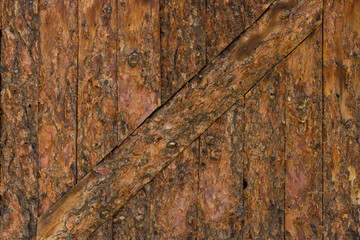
x=76 y=93
x=205 y=28
x=243 y=161
x=116 y=97
x=198 y=188
x=37 y=172
x=285 y=158
x=322 y=120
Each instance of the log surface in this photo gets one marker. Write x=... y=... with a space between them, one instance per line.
x=180 y=121
x=19 y=140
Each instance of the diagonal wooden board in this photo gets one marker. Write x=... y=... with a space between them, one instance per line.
x=174 y=126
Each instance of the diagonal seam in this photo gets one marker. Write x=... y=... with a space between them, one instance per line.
x=226 y=64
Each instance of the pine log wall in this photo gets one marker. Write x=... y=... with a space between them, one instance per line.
x=81 y=77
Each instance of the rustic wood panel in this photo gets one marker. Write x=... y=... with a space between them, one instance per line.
x=341 y=119
x=138 y=62
x=303 y=184
x=183 y=50
x=19 y=142
x=104 y=232
x=97 y=84
x=180 y=121
x=264 y=164
x=174 y=197
x=224 y=22
x=57 y=99
x=254 y=9
x=133 y=220
x=221 y=177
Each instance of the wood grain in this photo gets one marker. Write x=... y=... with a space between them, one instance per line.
x=264 y=164
x=174 y=197
x=133 y=219
x=19 y=142
x=138 y=62
x=303 y=183
x=221 y=177
x=254 y=9
x=224 y=22
x=97 y=84
x=169 y=130
x=341 y=119
x=183 y=50
x=57 y=100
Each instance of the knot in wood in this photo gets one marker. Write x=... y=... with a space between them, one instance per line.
x=172 y=144
x=104 y=214
x=133 y=59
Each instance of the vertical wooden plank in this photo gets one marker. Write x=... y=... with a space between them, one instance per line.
x=183 y=50
x=174 y=197
x=303 y=184
x=97 y=87
x=221 y=177
x=224 y=22
x=57 y=99
x=19 y=148
x=254 y=9
x=138 y=62
x=133 y=220
x=264 y=166
x=341 y=119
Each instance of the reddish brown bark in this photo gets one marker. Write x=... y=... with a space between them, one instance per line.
x=264 y=164
x=133 y=220
x=224 y=22
x=221 y=177
x=174 y=197
x=303 y=183
x=97 y=84
x=179 y=122
x=57 y=99
x=138 y=62
x=341 y=119
x=183 y=50
x=253 y=10
x=19 y=142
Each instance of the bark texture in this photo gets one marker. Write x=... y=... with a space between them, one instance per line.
x=97 y=83
x=224 y=22
x=341 y=119
x=264 y=161
x=303 y=183
x=57 y=99
x=174 y=198
x=19 y=142
x=138 y=62
x=183 y=50
x=221 y=177
x=180 y=121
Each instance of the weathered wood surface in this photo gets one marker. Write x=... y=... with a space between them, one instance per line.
x=174 y=197
x=253 y=10
x=138 y=63
x=19 y=142
x=341 y=119
x=133 y=220
x=183 y=50
x=303 y=183
x=57 y=99
x=221 y=177
x=182 y=26
x=180 y=121
x=224 y=22
x=97 y=83
x=264 y=161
